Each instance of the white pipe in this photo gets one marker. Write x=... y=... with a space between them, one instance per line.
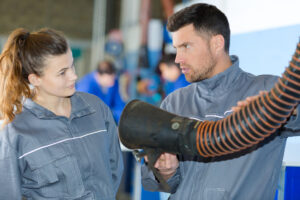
x=98 y=37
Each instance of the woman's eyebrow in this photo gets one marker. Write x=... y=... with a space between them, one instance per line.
x=65 y=68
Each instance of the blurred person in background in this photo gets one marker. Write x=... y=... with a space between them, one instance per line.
x=171 y=74
x=103 y=82
x=55 y=143
x=166 y=79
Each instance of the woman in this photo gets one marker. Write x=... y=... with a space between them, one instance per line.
x=56 y=143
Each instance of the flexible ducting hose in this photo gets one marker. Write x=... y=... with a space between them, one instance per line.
x=240 y=130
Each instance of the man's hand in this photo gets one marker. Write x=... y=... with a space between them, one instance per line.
x=245 y=102
x=166 y=164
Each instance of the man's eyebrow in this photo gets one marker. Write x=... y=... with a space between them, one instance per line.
x=182 y=44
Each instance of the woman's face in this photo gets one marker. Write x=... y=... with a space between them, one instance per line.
x=58 y=78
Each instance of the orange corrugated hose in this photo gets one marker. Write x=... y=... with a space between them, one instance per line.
x=255 y=121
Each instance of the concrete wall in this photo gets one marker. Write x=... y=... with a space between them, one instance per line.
x=73 y=17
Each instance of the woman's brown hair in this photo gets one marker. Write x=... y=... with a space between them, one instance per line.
x=23 y=54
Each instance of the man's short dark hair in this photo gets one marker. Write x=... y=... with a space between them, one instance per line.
x=205 y=18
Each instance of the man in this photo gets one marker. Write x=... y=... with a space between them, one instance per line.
x=201 y=36
x=104 y=84
x=171 y=73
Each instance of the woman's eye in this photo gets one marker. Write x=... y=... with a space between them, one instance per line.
x=62 y=73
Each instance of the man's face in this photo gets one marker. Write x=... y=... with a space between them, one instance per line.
x=106 y=80
x=193 y=53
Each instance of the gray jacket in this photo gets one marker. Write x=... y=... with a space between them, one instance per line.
x=250 y=174
x=44 y=156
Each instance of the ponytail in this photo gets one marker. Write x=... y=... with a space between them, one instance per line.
x=13 y=86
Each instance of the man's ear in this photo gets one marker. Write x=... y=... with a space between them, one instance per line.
x=34 y=79
x=218 y=43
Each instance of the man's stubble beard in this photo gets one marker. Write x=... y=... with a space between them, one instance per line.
x=204 y=73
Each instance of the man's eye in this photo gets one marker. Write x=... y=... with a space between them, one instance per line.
x=187 y=46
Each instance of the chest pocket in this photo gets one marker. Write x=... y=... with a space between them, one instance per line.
x=57 y=178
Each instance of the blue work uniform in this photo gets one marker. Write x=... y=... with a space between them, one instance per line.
x=111 y=96
x=247 y=175
x=172 y=86
x=45 y=156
